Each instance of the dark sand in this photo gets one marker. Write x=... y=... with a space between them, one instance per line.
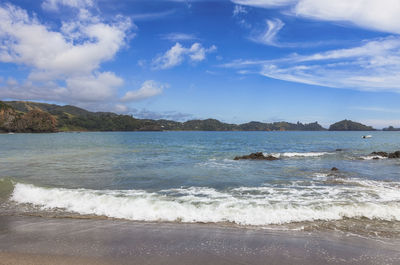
x=37 y=240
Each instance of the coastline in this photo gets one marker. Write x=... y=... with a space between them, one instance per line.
x=38 y=240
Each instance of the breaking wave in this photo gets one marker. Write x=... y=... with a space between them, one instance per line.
x=297 y=154
x=297 y=202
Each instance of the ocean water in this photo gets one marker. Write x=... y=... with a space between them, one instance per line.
x=192 y=177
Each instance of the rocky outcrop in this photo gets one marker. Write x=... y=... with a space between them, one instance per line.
x=395 y=154
x=7 y=117
x=34 y=121
x=256 y=156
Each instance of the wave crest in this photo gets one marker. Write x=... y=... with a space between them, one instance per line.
x=244 y=205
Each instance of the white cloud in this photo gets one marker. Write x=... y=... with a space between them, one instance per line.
x=373 y=66
x=97 y=87
x=178 y=53
x=269 y=36
x=149 y=88
x=379 y=15
x=65 y=63
x=176 y=36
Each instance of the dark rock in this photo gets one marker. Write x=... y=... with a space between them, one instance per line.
x=394 y=155
x=334 y=169
x=375 y=158
x=339 y=150
x=383 y=154
x=256 y=156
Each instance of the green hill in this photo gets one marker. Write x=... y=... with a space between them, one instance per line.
x=26 y=116
x=348 y=125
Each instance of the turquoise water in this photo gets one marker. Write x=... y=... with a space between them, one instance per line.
x=192 y=177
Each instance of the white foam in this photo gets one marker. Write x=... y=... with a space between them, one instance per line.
x=243 y=205
x=297 y=154
x=371 y=157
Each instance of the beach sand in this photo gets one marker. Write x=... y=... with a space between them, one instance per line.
x=37 y=240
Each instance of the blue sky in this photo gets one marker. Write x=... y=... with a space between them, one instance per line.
x=236 y=61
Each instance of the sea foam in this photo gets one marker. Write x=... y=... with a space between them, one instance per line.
x=243 y=205
x=299 y=154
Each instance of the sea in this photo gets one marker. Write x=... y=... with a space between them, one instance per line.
x=191 y=177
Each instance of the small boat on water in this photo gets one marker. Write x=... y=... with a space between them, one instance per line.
x=367 y=136
x=10 y=133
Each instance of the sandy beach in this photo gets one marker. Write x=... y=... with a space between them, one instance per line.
x=37 y=240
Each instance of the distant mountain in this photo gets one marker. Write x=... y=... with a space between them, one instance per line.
x=23 y=116
x=348 y=125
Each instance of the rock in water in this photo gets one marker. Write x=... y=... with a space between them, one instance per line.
x=382 y=154
x=394 y=155
x=334 y=169
x=256 y=156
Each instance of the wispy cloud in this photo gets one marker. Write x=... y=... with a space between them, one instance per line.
x=178 y=54
x=177 y=36
x=168 y=115
x=376 y=109
x=264 y=3
x=269 y=36
x=153 y=15
x=381 y=123
x=372 y=66
x=54 y=5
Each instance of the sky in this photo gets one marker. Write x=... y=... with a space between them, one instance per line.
x=232 y=60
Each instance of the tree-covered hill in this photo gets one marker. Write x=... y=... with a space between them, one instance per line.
x=348 y=125
x=26 y=116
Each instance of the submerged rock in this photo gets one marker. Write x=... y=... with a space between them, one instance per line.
x=256 y=156
x=334 y=169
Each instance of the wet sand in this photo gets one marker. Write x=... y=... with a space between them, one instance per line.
x=38 y=240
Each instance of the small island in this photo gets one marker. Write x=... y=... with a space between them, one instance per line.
x=348 y=125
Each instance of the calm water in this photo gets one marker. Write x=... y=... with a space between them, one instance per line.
x=192 y=177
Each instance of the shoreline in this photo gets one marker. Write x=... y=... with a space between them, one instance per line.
x=39 y=240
